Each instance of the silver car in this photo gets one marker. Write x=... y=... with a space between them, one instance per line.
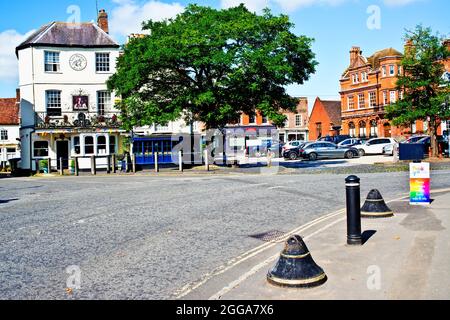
x=321 y=150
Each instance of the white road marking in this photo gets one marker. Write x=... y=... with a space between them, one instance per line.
x=245 y=256
x=259 y=266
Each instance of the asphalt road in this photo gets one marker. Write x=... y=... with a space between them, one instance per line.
x=145 y=237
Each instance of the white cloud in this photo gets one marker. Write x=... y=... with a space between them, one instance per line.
x=293 y=5
x=285 y=5
x=9 y=40
x=127 y=16
x=252 y=5
x=398 y=3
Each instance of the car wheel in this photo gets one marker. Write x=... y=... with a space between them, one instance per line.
x=361 y=152
x=349 y=155
x=293 y=156
x=312 y=156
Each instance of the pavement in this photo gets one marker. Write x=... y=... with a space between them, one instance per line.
x=163 y=237
x=403 y=257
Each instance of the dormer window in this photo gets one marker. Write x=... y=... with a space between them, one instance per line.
x=51 y=61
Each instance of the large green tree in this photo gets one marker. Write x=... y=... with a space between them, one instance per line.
x=425 y=91
x=211 y=65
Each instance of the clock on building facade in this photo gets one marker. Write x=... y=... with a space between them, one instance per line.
x=78 y=62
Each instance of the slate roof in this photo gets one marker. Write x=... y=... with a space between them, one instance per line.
x=9 y=111
x=63 y=34
x=333 y=109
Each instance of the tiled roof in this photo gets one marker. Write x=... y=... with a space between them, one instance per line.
x=9 y=111
x=65 y=34
x=333 y=109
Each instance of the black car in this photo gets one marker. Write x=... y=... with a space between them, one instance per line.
x=320 y=150
x=426 y=141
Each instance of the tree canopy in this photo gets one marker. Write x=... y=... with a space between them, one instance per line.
x=425 y=91
x=211 y=66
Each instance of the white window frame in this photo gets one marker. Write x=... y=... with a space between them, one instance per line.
x=391 y=70
x=383 y=71
x=3 y=134
x=385 y=102
x=392 y=97
x=103 y=102
x=350 y=102
x=372 y=102
x=103 y=62
x=56 y=61
x=298 y=123
x=95 y=136
x=363 y=101
x=56 y=101
x=48 y=149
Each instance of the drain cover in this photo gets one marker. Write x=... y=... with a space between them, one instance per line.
x=270 y=236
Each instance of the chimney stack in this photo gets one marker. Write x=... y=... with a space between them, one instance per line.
x=102 y=20
x=355 y=52
x=18 y=96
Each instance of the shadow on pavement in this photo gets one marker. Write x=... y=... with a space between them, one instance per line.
x=8 y=200
x=366 y=235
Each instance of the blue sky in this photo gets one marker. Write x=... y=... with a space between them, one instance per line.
x=336 y=25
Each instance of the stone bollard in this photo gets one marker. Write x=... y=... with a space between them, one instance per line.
x=206 y=160
x=61 y=170
x=133 y=162
x=180 y=161
x=93 y=166
x=77 y=167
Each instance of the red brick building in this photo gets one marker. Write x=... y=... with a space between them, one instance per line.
x=296 y=126
x=325 y=119
x=367 y=86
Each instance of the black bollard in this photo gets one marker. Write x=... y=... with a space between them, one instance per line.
x=352 y=191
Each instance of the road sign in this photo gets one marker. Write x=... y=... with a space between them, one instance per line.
x=419 y=180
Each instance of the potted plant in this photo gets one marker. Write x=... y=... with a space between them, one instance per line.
x=72 y=166
x=43 y=164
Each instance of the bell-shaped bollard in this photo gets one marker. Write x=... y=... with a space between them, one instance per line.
x=375 y=207
x=295 y=267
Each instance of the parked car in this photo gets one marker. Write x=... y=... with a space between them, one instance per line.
x=388 y=149
x=320 y=150
x=442 y=143
x=350 y=142
x=415 y=139
x=335 y=139
x=374 y=146
x=291 y=144
x=277 y=148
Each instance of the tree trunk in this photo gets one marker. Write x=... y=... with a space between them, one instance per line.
x=433 y=139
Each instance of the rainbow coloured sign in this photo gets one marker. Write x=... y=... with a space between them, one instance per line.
x=419 y=181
